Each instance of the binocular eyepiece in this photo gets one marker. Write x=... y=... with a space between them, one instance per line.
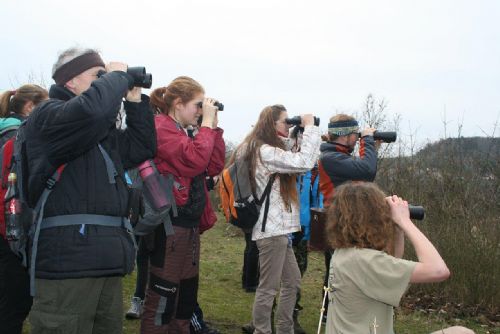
x=417 y=212
x=297 y=120
x=386 y=137
x=217 y=104
x=141 y=78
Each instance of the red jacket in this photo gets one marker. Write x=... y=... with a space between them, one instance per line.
x=186 y=157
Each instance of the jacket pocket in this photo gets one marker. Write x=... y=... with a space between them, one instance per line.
x=181 y=192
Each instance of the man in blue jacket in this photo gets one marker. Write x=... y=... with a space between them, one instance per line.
x=82 y=245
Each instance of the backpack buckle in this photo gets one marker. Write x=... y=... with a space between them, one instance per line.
x=51 y=182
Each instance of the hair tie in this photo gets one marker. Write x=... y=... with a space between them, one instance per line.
x=13 y=92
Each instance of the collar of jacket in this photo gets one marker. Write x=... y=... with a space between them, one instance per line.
x=336 y=147
x=60 y=93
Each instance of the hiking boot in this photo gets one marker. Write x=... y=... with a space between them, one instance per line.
x=135 y=309
x=248 y=328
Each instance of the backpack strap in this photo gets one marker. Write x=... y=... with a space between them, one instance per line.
x=110 y=166
x=38 y=216
x=266 y=196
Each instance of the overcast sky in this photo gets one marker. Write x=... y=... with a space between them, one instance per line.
x=430 y=60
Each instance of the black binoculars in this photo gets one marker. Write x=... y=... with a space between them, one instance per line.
x=297 y=120
x=417 y=212
x=217 y=104
x=141 y=78
x=386 y=137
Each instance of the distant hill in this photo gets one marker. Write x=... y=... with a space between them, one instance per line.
x=469 y=146
x=472 y=151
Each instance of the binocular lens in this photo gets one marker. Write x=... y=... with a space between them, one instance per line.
x=141 y=78
x=417 y=212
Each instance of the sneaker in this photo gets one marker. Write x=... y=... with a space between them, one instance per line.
x=135 y=309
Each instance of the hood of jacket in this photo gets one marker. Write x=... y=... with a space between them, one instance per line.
x=9 y=123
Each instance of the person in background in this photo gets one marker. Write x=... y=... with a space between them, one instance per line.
x=309 y=197
x=15 y=300
x=250 y=271
x=16 y=106
x=368 y=276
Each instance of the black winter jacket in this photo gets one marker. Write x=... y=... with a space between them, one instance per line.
x=67 y=129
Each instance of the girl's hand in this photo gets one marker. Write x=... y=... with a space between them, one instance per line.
x=209 y=112
x=307 y=119
x=399 y=210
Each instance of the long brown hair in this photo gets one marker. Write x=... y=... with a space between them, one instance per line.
x=264 y=132
x=360 y=217
x=15 y=100
x=183 y=87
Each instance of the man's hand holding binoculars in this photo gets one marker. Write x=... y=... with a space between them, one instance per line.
x=133 y=95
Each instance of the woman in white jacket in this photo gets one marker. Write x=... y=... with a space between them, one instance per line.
x=268 y=150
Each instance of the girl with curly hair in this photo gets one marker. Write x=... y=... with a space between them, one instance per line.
x=367 y=275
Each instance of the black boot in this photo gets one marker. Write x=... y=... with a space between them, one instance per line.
x=297 y=329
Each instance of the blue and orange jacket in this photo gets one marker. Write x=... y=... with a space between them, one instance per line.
x=337 y=166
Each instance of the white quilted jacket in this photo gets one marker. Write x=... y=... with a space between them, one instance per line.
x=280 y=219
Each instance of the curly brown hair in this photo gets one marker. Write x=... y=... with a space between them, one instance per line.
x=360 y=217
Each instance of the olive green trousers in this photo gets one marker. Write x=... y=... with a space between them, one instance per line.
x=77 y=306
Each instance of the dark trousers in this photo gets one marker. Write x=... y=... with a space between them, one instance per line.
x=301 y=254
x=142 y=268
x=15 y=299
x=250 y=274
x=328 y=257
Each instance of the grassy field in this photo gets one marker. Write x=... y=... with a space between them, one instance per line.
x=227 y=306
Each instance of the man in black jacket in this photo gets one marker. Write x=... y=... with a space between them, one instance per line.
x=82 y=246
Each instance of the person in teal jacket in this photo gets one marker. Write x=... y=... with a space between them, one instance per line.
x=15 y=299
x=309 y=197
